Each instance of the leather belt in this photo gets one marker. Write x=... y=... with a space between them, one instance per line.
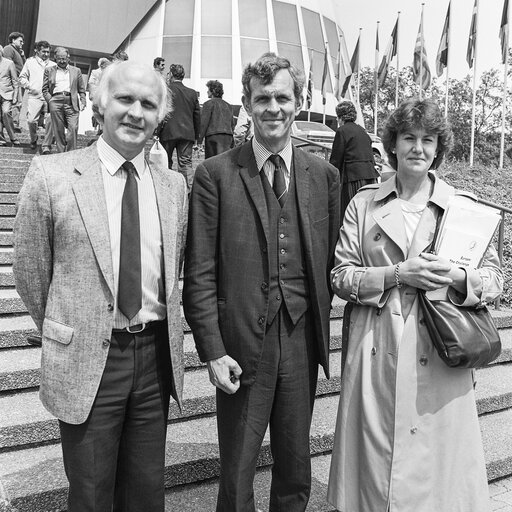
x=138 y=328
x=64 y=93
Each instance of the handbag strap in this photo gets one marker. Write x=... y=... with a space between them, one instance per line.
x=439 y=216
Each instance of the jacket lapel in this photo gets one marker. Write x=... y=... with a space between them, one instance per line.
x=252 y=180
x=90 y=197
x=302 y=182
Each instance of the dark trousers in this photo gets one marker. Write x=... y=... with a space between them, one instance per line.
x=184 y=156
x=115 y=460
x=64 y=117
x=282 y=396
x=217 y=144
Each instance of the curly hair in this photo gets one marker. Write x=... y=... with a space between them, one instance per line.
x=346 y=111
x=413 y=114
x=216 y=88
x=265 y=70
x=177 y=71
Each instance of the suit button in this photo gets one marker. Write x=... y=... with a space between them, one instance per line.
x=414 y=430
x=106 y=342
x=283 y=251
x=278 y=297
x=110 y=307
x=377 y=237
x=282 y=266
x=374 y=351
x=261 y=320
x=282 y=220
x=281 y=282
x=264 y=286
x=281 y=235
x=423 y=360
x=422 y=321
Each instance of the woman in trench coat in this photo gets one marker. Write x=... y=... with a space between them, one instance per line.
x=407 y=435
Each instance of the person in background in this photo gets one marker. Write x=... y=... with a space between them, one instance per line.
x=181 y=129
x=262 y=230
x=407 y=435
x=243 y=130
x=64 y=91
x=14 y=51
x=352 y=154
x=119 y=56
x=99 y=240
x=92 y=84
x=8 y=97
x=159 y=65
x=216 y=121
x=31 y=78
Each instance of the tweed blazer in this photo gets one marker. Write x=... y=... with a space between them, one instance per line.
x=63 y=272
x=76 y=85
x=225 y=295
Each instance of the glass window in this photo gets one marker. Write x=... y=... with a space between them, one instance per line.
x=313 y=30
x=178 y=50
x=293 y=53
x=216 y=17
x=216 y=57
x=179 y=18
x=332 y=40
x=252 y=16
x=252 y=49
x=318 y=70
x=287 y=24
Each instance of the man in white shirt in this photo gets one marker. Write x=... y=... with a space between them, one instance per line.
x=31 y=78
x=99 y=238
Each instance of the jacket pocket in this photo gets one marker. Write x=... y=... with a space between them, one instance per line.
x=56 y=331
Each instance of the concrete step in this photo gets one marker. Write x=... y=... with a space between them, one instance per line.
x=6 y=223
x=6 y=276
x=33 y=479
x=10 y=187
x=10 y=302
x=14 y=166
x=6 y=198
x=6 y=255
x=7 y=210
x=6 y=239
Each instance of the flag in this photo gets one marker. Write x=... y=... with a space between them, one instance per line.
x=391 y=50
x=342 y=67
x=442 y=52
x=504 y=33
x=354 y=66
x=470 y=52
x=420 y=68
x=309 y=93
x=324 y=77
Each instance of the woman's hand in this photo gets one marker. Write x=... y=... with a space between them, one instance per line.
x=427 y=272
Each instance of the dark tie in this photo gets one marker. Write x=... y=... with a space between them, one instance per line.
x=279 y=185
x=130 y=289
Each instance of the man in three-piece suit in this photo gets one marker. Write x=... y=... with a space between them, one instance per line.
x=64 y=91
x=99 y=236
x=263 y=224
x=181 y=128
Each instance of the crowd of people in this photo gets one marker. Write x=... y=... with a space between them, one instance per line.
x=100 y=239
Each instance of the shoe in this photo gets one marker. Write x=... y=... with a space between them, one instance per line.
x=35 y=341
x=17 y=129
x=3 y=142
x=33 y=145
x=15 y=142
x=45 y=151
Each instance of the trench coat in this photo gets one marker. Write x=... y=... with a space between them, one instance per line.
x=407 y=435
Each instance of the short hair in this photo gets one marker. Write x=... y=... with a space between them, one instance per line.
x=346 y=111
x=101 y=94
x=157 y=61
x=103 y=61
x=120 y=56
x=413 y=114
x=265 y=70
x=61 y=49
x=216 y=88
x=39 y=45
x=177 y=71
x=15 y=35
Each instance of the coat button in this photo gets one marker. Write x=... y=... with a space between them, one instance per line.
x=374 y=351
x=264 y=286
x=110 y=307
x=261 y=320
x=281 y=235
x=423 y=360
x=414 y=430
x=283 y=251
x=106 y=342
x=278 y=297
x=282 y=220
x=422 y=321
x=377 y=237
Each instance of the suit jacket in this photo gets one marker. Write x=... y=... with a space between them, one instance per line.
x=12 y=53
x=216 y=117
x=63 y=272
x=76 y=85
x=352 y=153
x=8 y=79
x=225 y=292
x=184 y=122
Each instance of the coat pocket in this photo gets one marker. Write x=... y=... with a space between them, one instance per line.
x=57 y=331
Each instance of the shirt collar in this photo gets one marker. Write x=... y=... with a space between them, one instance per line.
x=65 y=70
x=112 y=160
x=261 y=153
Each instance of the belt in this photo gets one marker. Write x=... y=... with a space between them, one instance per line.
x=64 y=93
x=138 y=328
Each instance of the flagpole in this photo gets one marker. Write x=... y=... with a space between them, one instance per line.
x=376 y=81
x=397 y=59
x=473 y=103
x=504 y=106
x=421 y=53
x=358 y=83
x=447 y=63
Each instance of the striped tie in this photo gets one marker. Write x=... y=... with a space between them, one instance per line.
x=279 y=185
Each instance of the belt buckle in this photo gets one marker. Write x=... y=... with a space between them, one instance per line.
x=135 y=332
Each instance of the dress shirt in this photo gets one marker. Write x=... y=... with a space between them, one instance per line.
x=31 y=76
x=261 y=153
x=62 y=80
x=114 y=179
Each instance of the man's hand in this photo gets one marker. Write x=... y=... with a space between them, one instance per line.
x=225 y=374
x=82 y=105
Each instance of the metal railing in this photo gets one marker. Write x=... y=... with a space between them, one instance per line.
x=326 y=148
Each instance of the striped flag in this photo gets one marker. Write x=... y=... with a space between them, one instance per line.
x=324 y=77
x=309 y=93
x=391 y=50
x=470 y=52
x=420 y=68
x=342 y=67
x=504 y=33
x=442 y=52
x=354 y=66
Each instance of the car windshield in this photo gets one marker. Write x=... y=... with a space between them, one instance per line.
x=307 y=126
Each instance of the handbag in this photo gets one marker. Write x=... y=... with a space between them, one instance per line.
x=464 y=337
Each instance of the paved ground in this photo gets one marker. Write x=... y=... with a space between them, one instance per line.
x=501 y=495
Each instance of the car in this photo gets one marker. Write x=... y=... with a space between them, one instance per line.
x=323 y=136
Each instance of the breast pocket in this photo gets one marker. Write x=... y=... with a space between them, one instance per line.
x=57 y=331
